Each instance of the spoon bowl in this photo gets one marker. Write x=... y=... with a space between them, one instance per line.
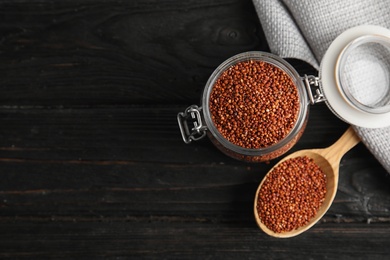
x=328 y=159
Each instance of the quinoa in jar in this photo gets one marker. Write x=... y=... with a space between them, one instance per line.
x=254 y=108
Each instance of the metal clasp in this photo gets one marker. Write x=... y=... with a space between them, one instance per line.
x=191 y=115
x=313 y=81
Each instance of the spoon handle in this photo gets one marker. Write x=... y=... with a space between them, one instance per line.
x=348 y=140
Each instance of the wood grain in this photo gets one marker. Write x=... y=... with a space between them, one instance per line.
x=143 y=52
x=191 y=240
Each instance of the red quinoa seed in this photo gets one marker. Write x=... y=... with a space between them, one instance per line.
x=291 y=194
x=254 y=104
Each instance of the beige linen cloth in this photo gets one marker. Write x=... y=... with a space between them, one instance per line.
x=304 y=29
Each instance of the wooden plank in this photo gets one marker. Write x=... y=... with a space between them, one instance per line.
x=136 y=133
x=128 y=190
x=156 y=240
x=118 y=53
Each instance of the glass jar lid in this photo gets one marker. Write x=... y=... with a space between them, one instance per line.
x=355 y=76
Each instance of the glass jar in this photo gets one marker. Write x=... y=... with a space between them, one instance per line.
x=356 y=63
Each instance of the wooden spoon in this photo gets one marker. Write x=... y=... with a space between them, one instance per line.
x=328 y=160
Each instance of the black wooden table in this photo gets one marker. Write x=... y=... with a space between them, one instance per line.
x=92 y=163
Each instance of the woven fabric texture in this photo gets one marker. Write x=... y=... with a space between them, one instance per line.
x=304 y=29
